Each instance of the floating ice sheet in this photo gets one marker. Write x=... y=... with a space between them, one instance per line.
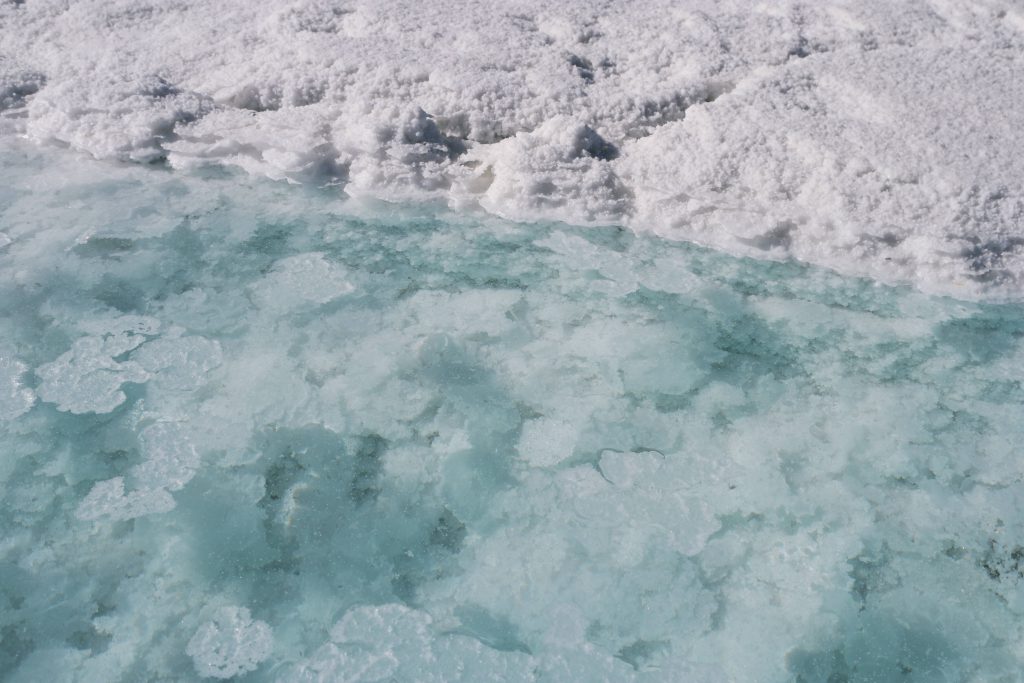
x=253 y=430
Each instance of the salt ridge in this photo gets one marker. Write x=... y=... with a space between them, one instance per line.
x=876 y=138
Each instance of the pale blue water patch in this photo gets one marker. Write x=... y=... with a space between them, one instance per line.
x=251 y=430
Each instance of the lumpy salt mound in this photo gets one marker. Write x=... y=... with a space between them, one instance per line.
x=875 y=138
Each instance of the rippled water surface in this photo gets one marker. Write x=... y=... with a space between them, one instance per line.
x=252 y=430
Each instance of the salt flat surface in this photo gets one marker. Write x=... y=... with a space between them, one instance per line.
x=874 y=137
x=257 y=432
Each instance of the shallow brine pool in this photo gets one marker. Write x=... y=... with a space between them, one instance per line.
x=254 y=430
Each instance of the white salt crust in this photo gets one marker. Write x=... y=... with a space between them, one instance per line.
x=876 y=138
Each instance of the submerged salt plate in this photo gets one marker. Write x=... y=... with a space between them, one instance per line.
x=874 y=137
x=252 y=431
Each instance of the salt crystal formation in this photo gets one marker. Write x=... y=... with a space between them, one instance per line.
x=107 y=499
x=876 y=138
x=87 y=378
x=393 y=642
x=306 y=280
x=232 y=643
x=15 y=398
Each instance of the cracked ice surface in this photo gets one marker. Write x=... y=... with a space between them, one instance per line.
x=257 y=431
x=874 y=137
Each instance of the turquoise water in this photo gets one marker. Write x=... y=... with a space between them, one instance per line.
x=254 y=430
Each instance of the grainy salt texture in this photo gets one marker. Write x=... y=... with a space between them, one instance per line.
x=231 y=643
x=257 y=431
x=874 y=137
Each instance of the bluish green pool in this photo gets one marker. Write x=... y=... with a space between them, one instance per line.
x=254 y=430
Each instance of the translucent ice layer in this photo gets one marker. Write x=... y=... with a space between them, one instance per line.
x=255 y=431
x=879 y=138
